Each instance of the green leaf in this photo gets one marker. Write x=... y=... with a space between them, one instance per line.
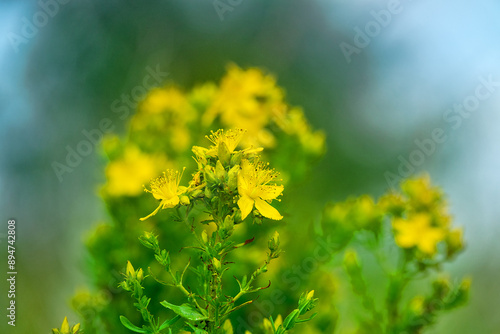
x=125 y=322
x=197 y=330
x=168 y=323
x=186 y=311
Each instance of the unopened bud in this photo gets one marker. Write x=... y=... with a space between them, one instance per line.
x=217 y=264
x=236 y=158
x=140 y=275
x=223 y=153
x=220 y=172
x=274 y=242
x=130 y=270
x=455 y=242
x=184 y=200
x=232 y=178
x=204 y=236
x=210 y=175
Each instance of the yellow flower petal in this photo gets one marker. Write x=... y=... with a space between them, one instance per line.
x=245 y=204
x=152 y=213
x=269 y=192
x=432 y=238
x=267 y=210
x=170 y=202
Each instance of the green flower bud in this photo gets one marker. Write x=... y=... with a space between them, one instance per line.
x=196 y=193
x=223 y=153
x=210 y=175
x=441 y=288
x=232 y=178
x=208 y=193
x=220 y=172
x=217 y=264
x=236 y=158
x=149 y=240
x=227 y=227
x=351 y=262
x=274 y=242
x=140 y=275
x=455 y=242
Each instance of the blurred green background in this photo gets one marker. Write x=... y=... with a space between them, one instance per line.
x=62 y=75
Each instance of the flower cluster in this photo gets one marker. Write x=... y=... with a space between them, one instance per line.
x=169 y=121
x=421 y=219
x=224 y=174
x=411 y=236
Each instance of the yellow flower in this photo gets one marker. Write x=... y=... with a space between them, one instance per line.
x=165 y=114
x=254 y=188
x=246 y=98
x=418 y=232
x=166 y=189
x=230 y=139
x=421 y=192
x=167 y=99
x=127 y=175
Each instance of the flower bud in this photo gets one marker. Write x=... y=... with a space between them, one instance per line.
x=227 y=226
x=232 y=178
x=223 y=153
x=216 y=264
x=455 y=242
x=65 y=326
x=140 y=275
x=200 y=152
x=184 y=200
x=196 y=193
x=351 y=262
x=236 y=158
x=210 y=175
x=441 y=287
x=75 y=329
x=130 y=270
x=204 y=236
x=220 y=172
x=417 y=305
x=274 y=242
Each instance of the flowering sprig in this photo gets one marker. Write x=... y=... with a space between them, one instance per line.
x=411 y=236
x=227 y=185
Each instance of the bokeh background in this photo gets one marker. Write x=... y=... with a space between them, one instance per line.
x=62 y=78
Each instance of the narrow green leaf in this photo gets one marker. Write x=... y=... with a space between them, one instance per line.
x=186 y=311
x=125 y=322
x=168 y=323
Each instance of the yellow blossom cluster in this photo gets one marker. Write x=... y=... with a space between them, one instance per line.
x=419 y=216
x=169 y=121
x=422 y=221
x=223 y=172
